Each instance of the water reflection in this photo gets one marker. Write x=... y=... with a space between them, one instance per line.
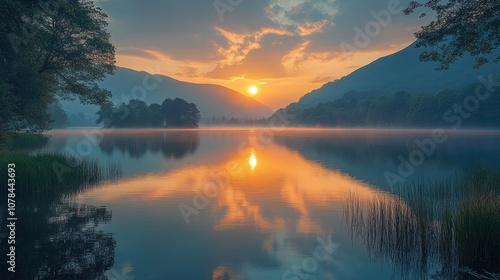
x=258 y=224
x=61 y=241
x=253 y=160
x=170 y=144
x=368 y=154
x=447 y=229
x=256 y=210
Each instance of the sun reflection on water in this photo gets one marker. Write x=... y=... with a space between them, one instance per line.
x=253 y=161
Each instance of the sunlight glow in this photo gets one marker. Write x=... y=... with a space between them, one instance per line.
x=253 y=161
x=253 y=90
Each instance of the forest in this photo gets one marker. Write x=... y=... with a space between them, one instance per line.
x=171 y=113
x=464 y=107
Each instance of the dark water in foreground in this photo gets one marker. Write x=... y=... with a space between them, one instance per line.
x=248 y=204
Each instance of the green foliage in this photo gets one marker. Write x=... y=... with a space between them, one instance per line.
x=402 y=110
x=58 y=117
x=460 y=27
x=47 y=49
x=172 y=113
x=179 y=113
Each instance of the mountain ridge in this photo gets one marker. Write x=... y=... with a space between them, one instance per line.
x=212 y=100
x=400 y=71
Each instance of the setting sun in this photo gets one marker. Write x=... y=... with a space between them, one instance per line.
x=253 y=90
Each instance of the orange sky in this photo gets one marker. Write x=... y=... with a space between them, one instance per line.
x=284 y=47
x=273 y=92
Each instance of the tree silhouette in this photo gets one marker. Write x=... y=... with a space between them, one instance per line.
x=460 y=27
x=172 y=113
x=47 y=49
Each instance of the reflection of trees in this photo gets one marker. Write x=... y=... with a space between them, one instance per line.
x=449 y=228
x=371 y=146
x=61 y=241
x=55 y=238
x=170 y=144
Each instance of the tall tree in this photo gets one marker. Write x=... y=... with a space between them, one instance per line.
x=58 y=117
x=50 y=48
x=460 y=27
x=179 y=113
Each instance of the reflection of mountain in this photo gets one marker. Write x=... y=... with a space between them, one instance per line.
x=171 y=144
x=368 y=154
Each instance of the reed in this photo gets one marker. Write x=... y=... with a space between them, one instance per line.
x=428 y=225
x=53 y=173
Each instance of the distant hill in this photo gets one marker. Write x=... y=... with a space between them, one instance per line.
x=401 y=71
x=211 y=100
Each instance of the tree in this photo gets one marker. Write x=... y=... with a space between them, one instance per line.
x=58 y=117
x=172 y=113
x=105 y=115
x=179 y=113
x=156 y=114
x=47 y=49
x=460 y=27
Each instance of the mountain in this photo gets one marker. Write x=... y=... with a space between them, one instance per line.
x=126 y=84
x=401 y=71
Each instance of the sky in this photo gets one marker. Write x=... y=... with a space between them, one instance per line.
x=284 y=47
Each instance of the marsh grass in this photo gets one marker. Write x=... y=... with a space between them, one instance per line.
x=454 y=223
x=53 y=173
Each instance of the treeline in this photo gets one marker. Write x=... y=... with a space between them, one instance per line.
x=446 y=108
x=171 y=113
x=223 y=121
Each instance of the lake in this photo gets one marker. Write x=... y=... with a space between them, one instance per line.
x=253 y=203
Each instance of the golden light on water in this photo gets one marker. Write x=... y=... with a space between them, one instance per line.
x=253 y=161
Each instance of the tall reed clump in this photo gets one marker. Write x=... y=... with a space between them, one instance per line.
x=455 y=223
x=46 y=173
x=43 y=173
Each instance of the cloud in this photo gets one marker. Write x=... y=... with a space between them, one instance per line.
x=258 y=38
x=131 y=51
x=238 y=46
x=188 y=72
x=322 y=80
x=298 y=12
x=262 y=62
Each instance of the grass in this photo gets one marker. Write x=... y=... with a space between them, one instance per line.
x=49 y=174
x=455 y=223
x=54 y=172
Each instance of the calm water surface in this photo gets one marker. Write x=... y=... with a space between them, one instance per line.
x=253 y=203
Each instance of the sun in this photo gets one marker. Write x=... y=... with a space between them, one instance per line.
x=253 y=90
